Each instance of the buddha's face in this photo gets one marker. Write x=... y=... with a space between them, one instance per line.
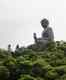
x=44 y=25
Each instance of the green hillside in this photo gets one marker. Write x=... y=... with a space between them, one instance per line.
x=34 y=63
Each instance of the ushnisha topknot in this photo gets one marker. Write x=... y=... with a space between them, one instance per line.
x=44 y=21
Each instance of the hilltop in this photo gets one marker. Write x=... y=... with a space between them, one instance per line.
x=34 y=63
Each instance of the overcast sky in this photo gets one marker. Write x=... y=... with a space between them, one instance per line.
x=20 y=18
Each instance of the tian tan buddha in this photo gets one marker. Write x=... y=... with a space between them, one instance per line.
x=47 y=34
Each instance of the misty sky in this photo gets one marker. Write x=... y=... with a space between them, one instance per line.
x=20 y=18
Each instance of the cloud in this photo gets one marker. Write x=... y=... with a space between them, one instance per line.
x=20 y=18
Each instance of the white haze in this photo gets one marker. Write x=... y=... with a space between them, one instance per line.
x=20 y=18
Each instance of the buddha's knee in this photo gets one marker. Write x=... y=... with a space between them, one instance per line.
x=51 y=44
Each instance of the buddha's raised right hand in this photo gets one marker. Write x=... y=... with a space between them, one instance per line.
x=35 y=37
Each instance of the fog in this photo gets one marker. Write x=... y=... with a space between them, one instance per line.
x=19 y=19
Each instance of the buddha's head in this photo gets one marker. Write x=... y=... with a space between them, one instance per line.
x=44 y=22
